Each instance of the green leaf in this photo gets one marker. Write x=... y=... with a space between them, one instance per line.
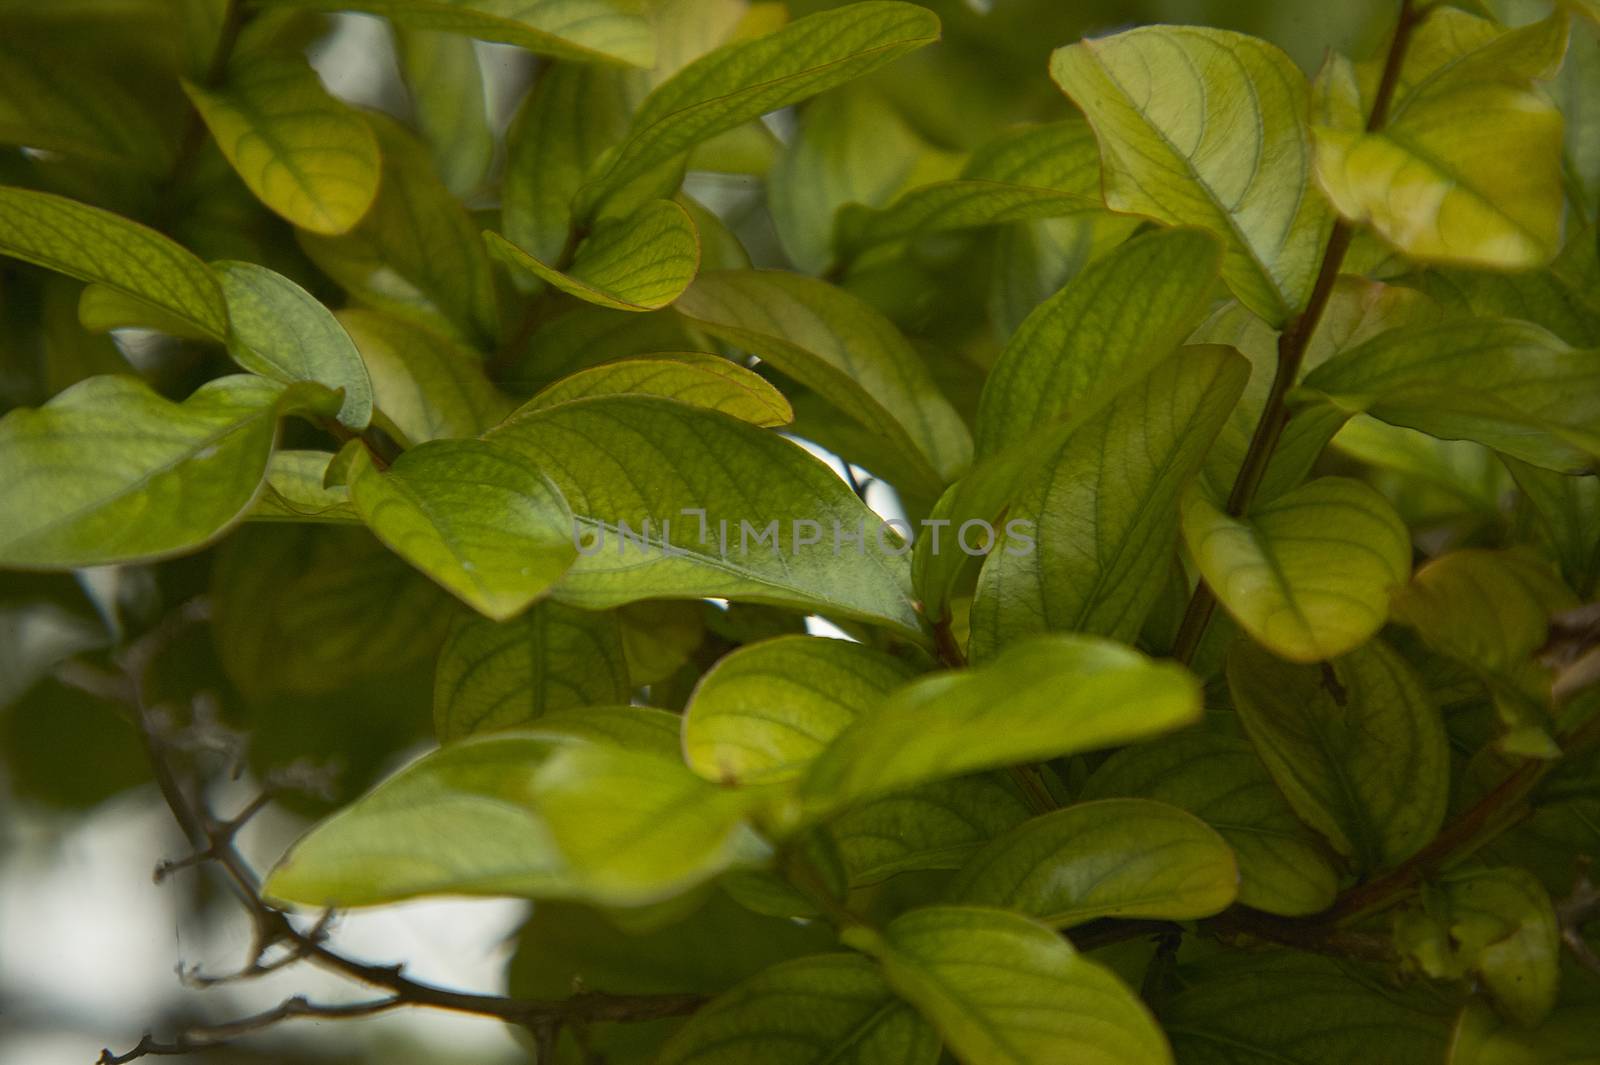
x=306 y=155
x=931 y=826
x=102 y=308
x=58 y=96
x=851 y=147
x=522 y=815
x=429 y=386
x=306 y=610
x=1105 y=330
x=1359 y=750
x=94 y=245
x=744 y=80
x=1467 y=166
x=295 y=491
x=1309 y=574
x=1510 y=385
x=276 y=329
x=108 y=471
x=586 y=30
x=1483 y=1037
x=695 y=378
x=1496 y=923
x=828 y=1009
x=1208 y=127
x=1104 y=508
x=1040 y=698
x=572 y=115
x=1044 y=172
x=1283 y=868
x=763 y=713
x=1561 y=297
x=1004 y=990
x=479 y=519
x=1567 y=511
x=497 y=675
x=417 y=253
x=640 y=262
x=637 y=459
x=1286 y=1007
x=1112 y=858
x=446 y=85
x=838 y=346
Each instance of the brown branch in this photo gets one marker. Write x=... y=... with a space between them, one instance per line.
x=214 y=843
x=1292 y=345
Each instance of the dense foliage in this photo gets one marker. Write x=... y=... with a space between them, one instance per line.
x=1200 y=460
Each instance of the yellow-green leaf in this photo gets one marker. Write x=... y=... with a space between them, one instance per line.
x=1112 y=858
x=1508 y=384
x=840 y=347
x=1467 y=165
x=296 y=490
x=306 y=155
x=94 y=245
x=585 y=30
x=445 y=81
x=417 y=253
x=1209 y=127
x=108 y=471
x=696 y=378
x=1359 y=750
x=932 y=826
x=640 y=262
x=498 y=675
x=1310 y=573
x=543 y=815
x=1004 y=990
x=480 y=520
x=764 y=712
x=429 y=386
x=712 y=507
x=1042 y=697
x=1283 y=867
x=276 y=329
x=744 y=80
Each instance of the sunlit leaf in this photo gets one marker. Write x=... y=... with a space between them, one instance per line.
x=1209 y=127
x=497 y=675
x=586 y=30
x=295 y=491
x=1467 y=165
x=429 y=386
x=277 y=330
x=640 y=262
x=1510 y=385
x=1310 y=573
x=1041 y=697
x=479 y=519
x=308 y=156
x=695 y=378
x=828 y=1008
x=1359 y=750
x=94 y=245
x=522 y=815
x=109 y=471
x=1112 y=858
x=1282 y=866
x=841 y=348
x=1004 y=990
x=732 y=511
x=763 y=713
x=746 y=79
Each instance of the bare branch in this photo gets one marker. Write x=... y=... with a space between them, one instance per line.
x=204 y=1037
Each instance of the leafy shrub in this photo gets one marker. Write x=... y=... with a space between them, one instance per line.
x=515 y=405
